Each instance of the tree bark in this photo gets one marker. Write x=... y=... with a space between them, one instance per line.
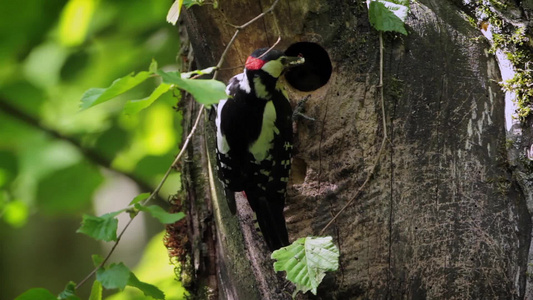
x=443 y=217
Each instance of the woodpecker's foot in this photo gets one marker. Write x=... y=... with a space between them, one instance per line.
x=298 y=110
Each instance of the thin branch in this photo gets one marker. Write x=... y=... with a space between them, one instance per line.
x=382 y=147
x=152 y=195
x=238 y=29
x=107 y=257
x=259 y=16
x=272 y=47
x=183 y=148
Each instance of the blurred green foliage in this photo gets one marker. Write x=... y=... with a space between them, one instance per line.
x=53 y=157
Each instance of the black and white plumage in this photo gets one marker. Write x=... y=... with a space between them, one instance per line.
x=254 y=141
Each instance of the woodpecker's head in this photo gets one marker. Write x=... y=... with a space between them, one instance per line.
x=273 y=62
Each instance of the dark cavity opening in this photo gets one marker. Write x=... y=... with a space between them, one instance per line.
x=316 y=70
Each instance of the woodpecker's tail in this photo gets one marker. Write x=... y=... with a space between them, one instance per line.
x=271 y=220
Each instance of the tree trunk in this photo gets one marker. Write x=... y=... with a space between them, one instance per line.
x=441 y=218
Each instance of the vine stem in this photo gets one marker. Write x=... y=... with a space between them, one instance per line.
x=381 y=148
x=185 y=144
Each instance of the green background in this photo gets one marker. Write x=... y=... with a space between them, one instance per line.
x=56 y=162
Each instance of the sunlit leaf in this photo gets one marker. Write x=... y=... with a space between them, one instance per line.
x=69 y=293
x=139 y=198
x=116 y=276
x=15 y=213
x=97 y=260
x=135 y=106
x=388 y=15
x=153 y=66
x=36 y=294
x=96 y=291
x=102 y=228
x=306 y=261
x=43 y=65
x=205 y=71
x=159 y=136
x=75 y=20
x=148 y=289
x=205 y=91
x=96 y=96
x=189 y=3
x=174 y=12
x=160 y=214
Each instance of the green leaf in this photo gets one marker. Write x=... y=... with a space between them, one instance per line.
x=96 y=291
x=97 y=259
x=36 y=294
x=116 y=276
x=135 y=106
x=306 y=261
x=205 y=71
x=96 y=96
x=174 y=12
x=139 y=198
x=205 y=91
x=148 y=289
x=399 y=8
x=388 y=15
x=102 y=228
x=15 y=212
x=160 y=214
x=189 y=3
x=153 y=66
x=69 y=293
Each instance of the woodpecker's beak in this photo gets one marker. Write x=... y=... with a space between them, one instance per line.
x=292 y=61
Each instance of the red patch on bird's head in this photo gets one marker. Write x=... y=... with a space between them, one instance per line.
x=254 y=63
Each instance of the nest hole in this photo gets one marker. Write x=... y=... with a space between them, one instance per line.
x=316 y=70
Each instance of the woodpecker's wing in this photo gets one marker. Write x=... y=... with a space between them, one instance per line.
x=229 y=164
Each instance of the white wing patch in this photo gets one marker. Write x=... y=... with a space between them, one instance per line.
x=244 y=84
x=222 y=143
x=261 y=147
x=242 y=80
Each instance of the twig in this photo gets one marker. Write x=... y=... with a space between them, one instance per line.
x=238 y=29
x=152 y=195
x=183 y=148
x=270 y=49
x=259 y=16
x=382 y=147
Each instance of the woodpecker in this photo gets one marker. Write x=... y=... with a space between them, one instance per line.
x=254 y=141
